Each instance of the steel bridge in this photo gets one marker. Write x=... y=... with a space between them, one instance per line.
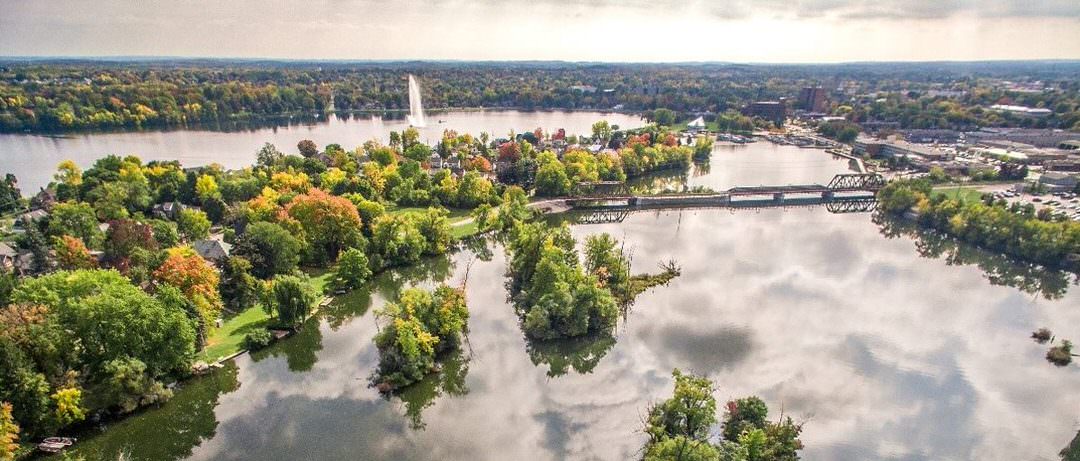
x=610 y=194
x=617 y=214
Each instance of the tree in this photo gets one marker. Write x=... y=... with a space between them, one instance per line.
x=601 y=131
x=166 y=233
x=409 y=137
x=307 y=148
x=420 y=325
x=268 y=155
x=294 y=298
x=605 y=260
x=206 y=188
x=395 y=242
x=663 y=117
x=679 y=427
x=71 y=253
x=330 y=223
x=9 y=433
x=551 y=179
x=76 y=219
x=690 y=412
x=69 y=407
x=474 y=190
x=195 y=277
x=10 y=196
x=270 y=248
x=238 y=288
x=100 y=317
x=127 y=244
x=352 y=269
x=193 y=224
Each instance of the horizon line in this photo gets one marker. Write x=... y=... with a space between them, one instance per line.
x=164 y=58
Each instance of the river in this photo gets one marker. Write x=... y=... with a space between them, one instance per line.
x=33 y=158
x=887 y=343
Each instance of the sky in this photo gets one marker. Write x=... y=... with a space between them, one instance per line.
x=570 y=30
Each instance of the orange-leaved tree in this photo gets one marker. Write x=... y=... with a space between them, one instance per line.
x=195 y=277
x=330 y=223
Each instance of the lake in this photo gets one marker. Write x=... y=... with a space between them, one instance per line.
x=888 y=343
x=33 y=158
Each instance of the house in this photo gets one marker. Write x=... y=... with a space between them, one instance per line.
x=31 y=217
x=24 y=262
x=44 y=199
x=7 y=257
x=696 y=126
x=436 y=161
x=213 y=249
x=167 y=210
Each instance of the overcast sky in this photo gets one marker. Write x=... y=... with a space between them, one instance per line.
x=602 y=30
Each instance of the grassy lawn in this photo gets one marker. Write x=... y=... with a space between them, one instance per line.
x=230 y=337
x=464 y=230
x=967 y=194
x=320 y=277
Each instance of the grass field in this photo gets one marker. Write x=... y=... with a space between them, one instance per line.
x=230 y=337
x=966 y=194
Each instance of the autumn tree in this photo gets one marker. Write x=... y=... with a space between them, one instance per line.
x=129 y=244
x=195 y=277
x=9 y=433
x=307 y=148
x=330 y=223
x=71 y=253
x=420 y=325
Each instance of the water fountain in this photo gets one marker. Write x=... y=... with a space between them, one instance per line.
x=416 y=107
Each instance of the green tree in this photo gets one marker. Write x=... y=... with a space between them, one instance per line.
x=268 y=155
x=352 y=269
x=294 y=297
x=270 y=248
x=193 y=224
x=663 y=117
x=239 y=289
x=601 y=131
x=76 y=219
x=551 y=179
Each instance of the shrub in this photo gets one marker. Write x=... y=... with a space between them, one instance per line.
x=257 y=339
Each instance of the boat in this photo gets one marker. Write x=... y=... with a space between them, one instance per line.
x=55 y=444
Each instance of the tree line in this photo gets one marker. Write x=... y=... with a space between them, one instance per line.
x=1015 y=230
x=66 y=95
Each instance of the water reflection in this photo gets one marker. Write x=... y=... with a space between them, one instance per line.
x=888 y=354
x=300 y=351
x=449 y=380
x=998 y=269
x=581 y=354
x=169 y=431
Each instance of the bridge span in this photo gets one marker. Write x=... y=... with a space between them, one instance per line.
x=842 y=188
